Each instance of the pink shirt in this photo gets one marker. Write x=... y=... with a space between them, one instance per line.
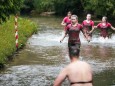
x=67 y=20
x=87 y=25
x=73 y=32
x=104 y=29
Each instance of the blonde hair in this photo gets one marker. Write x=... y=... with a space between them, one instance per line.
x=75 y=16
x=88 y=14
x=105 y=18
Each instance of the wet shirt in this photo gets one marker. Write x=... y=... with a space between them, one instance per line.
x=104 y=29
x=67 y=20
x=87 y=25
x=73 y=33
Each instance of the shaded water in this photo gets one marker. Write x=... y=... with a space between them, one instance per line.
x=41 y=60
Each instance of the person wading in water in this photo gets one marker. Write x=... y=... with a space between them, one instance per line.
x=73 y=31
x=66 y=20
x=104 y=26
x=88 y=25
x=79 y=73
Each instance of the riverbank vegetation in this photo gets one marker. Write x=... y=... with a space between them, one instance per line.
x=96 y=7
x=7 y=32
x=26 y=27
x=8 y=7
x=7 y=36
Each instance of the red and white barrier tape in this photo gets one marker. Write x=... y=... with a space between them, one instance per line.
x=16 y=31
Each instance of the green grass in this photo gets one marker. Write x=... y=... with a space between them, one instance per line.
x=7 y=36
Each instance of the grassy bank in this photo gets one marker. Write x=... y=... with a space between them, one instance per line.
x=7 y=36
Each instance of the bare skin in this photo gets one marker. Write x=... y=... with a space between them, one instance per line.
x=76 y=71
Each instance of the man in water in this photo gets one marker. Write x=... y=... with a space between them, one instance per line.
x=79 y=73
x=73 y=30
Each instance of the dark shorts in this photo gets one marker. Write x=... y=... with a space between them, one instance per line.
x=74 y=49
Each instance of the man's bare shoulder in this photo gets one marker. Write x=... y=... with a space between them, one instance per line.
x=77 y=63
x=83 y=62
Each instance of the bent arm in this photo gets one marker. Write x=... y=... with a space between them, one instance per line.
x=93 y=27
x=63 y=24
x=84 y=34
x=92 y=23
x=61 y=77
x=112 y=28
x=63 y=37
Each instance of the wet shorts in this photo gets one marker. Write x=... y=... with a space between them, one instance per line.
x=74 y=49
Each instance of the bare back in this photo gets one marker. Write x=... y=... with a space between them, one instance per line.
x=79 y=71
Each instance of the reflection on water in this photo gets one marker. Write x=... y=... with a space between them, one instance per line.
x=43 y=58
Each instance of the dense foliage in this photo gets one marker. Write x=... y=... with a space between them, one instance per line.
x=8 y=7
x=60 y=7
x=96 y=7
x=7 y=44
x=99 y=7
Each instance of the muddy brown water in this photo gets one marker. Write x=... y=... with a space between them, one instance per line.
x=41 y=60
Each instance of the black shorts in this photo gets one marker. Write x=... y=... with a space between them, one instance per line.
x=74 y=49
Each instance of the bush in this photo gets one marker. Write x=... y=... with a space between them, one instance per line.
x=7 y=36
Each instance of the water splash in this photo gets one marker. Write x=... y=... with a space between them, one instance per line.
x=49 y=38
x=96 y=39
x=52 y=38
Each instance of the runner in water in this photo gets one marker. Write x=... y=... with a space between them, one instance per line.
x=66 y=20
x=104 y=26
x=79 y=73
x=73 y=31
x=88 y=25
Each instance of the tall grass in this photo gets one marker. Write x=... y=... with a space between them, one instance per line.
x=7 y=36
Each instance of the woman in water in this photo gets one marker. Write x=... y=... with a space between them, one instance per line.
x=73 y=31
x=88 y=25
x=66 y=20
x=104 y=26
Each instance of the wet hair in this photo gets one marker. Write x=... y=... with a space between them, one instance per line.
x=105 y=18
x=74 y=50
x=75 y=16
